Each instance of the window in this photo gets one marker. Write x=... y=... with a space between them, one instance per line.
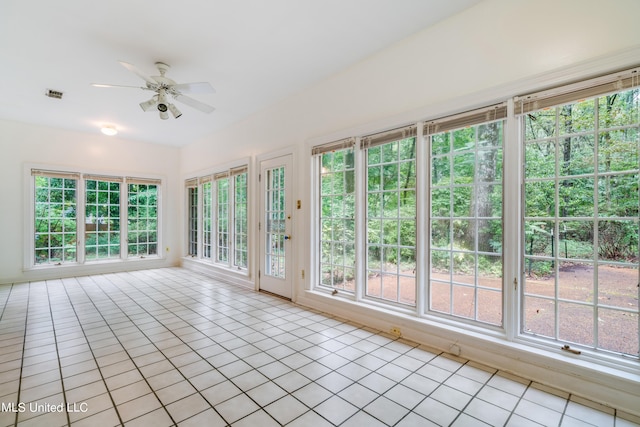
x=337 y=216
x=142 y=219
x=55 y=217
x=570 y=243
x=207 y=218
x=102 y=218
x=224 y=223
x=391 y=216
x=240 y=219
x=581 y=209
x=65 y=202
x=222 y=218
x=192 y=200
x=466 y=217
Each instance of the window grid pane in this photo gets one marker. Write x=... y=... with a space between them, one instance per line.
x=142 y=220
x=337 y=220
x=102 y=219
x=192 y=193
x=207 y=232
x=222 y=206
x=55 y=220
x=391 y=222
x=241 y=249
x=581 y=223
x=466 y=223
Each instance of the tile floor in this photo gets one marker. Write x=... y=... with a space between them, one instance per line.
x=171 y=347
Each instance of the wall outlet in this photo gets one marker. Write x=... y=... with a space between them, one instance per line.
x=394 y=330
x=455 y=349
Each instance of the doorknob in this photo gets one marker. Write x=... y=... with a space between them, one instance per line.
x=287 y=237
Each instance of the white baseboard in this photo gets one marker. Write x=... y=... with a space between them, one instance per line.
x=616 y=388
x=218 y=273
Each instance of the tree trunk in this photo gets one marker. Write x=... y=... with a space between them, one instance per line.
x=481 y=203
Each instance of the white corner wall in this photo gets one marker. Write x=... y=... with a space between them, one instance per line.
x=491 y=52
x=22 y=144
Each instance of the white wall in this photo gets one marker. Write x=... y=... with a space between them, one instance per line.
x=496 y=50
x=492 y=45
x=22 y=144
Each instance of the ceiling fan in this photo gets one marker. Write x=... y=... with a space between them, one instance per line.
x=165 y=87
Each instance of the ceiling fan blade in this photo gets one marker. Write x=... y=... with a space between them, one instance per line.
x=138 y=73
x=118 y=86
x=198 y=87
x=194 y=103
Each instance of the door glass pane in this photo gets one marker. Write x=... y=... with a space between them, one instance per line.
x=275 y=227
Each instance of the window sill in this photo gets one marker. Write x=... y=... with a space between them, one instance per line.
x=51 y=271
x=210 y=269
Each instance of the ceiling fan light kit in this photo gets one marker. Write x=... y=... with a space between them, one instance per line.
x=164 y=86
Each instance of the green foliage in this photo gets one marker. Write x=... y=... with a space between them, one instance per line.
x=565 y=140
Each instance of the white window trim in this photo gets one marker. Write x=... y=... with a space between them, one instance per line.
x=228 y=169
x=83 y=175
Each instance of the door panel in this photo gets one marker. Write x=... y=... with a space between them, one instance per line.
x=275 y=226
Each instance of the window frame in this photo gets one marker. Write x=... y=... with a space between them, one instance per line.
x=556 y=101
x=212 y=177
x=193 y=195
x=347 y=147
x=512 y=224
x=81 y=177
x=111 y=181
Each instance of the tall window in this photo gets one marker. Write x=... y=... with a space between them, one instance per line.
x=337 y=215
x=102 y=218
x=142 y=219
x=222 y=218
x=224 y=223
x=391 y=216
x=192 y=201
x=207 y=219
x=55 y=217
x=466 y=218
x=240 y=219
x=581 y=219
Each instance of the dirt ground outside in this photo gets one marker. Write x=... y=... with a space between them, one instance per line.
x=616 y=325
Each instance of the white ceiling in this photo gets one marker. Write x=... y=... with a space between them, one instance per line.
x=253 y=52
